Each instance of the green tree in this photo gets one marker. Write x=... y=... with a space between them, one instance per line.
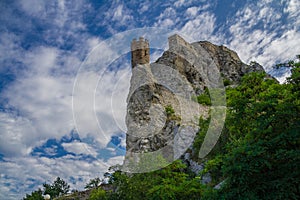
x=294 y=79
x=98 y=194
x=168 y=181
x=35 y=195
x=93 y=183
x=58 y=188
x=263 y=151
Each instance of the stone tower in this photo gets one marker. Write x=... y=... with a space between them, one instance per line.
x=140 y=52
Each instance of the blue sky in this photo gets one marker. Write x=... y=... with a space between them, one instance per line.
x=46 y=47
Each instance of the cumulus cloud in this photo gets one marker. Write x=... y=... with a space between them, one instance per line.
x=43 y=98
x=38 y=103
x=40 y=97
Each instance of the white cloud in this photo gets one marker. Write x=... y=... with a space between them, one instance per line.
x=42 y=93
x=201 y=27
x=118 y=98
x=100 y=103
x=33 y=7
x=115 y=160
x=119 y=14
x=281 y=49
x=166 y=23
x=181 y=3
x=167 y=18
x=80 y=148
x=16 y=133
x=43 y=99
x=144 y=7
x=9 y=47
x=264 y=44
x=41 y=60
x=168 y=12
x=192 y=11
x=292 y=8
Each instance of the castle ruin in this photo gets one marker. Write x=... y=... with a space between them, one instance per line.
x=140 y=52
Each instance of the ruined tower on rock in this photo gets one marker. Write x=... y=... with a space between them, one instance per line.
x=162 y=116
x=140 y=52
x=161 y=120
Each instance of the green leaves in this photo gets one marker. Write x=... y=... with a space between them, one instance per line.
x=204 y=98
x=93 y=183
x=171 y=182
x=58 y=188
x=169 y=110
x=262 y=154
x=98 y=194
x=35 y=195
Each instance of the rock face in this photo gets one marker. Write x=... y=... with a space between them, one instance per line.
x=227 y=61
x=162 y=114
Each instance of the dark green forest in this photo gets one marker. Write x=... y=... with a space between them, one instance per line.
x=256 y=157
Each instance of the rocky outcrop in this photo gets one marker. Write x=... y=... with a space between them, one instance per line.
x=227 y=61
x=162 y=114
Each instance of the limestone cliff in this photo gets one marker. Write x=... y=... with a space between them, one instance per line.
x=226 y=60
x=162 y=114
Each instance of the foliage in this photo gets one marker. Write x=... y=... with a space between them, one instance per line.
x=171 y=182
x=98 y=194
x=263 y=123
x=93 y=183
x=294 y=80
x=204 y=98
x=227 y=82
x=35 y=195
x=290 y=64
x=169 y=110
x=199 y=138
x=148 y=162
x=171 y=113
x=58 y=188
